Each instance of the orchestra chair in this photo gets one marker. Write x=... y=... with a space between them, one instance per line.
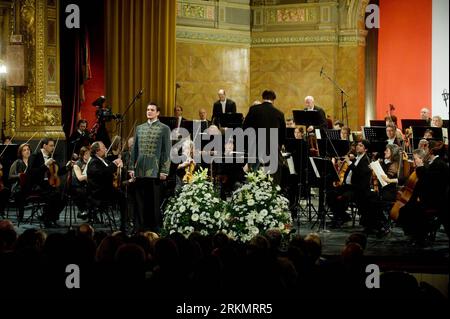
x=432 y=224
x=103 y=212
x=35 y=202
x=11 y=205
x=354 y=212
x=70 y=211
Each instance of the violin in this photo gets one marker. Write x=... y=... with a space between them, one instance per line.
x=313 y=146
x=53 y=178
x=94 y=130
x=342 y=170
x=189 y=173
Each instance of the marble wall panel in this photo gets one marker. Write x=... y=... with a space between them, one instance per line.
x=202 y=69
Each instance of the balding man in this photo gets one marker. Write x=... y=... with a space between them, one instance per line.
x=222 y=106
x=310 y=106
x=425 y=114
x=202 y=115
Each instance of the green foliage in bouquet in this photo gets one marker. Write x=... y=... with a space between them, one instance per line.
x=256 y=207
x=196 y=207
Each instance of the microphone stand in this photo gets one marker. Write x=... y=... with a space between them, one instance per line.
x=342 y=92
x=121 y=117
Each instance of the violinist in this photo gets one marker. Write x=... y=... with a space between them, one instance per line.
x=17 y=177
x=391 y=133
x=186 y=169
x=79 y=138
x=298 y=133
x=39 y=174
x=413 y=216
x=392 y=120
x=355 y=187
x=100 y=172
x=345 y=133
x=376 y=220
x=79 y=181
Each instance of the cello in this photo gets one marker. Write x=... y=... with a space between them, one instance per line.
x=403 y=196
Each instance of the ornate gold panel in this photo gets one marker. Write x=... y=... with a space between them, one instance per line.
x=37 y=106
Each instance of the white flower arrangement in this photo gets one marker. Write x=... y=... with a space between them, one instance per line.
x=257 y=207
x=196 y=207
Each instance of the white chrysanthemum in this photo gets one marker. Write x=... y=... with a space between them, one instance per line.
x=195 y=217
x=250 y=202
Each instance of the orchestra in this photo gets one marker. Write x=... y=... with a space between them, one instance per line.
x=135 y=171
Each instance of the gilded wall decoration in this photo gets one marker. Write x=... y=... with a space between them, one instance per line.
x=37 y=106
x=186 y=10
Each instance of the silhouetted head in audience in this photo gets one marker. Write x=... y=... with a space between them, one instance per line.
x=352 y=256
x=313 y=246
x=395 y=283
x=166 y=253
x=108 y=248
x=8 y=236
x=358 y=238
x=31 y=239
x=86 y=230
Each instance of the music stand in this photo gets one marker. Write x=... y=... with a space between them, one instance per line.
x=170 y=121
x=377 y=123
x=332 y=134
x=299 y=152
x=307 y=118
x=374 y=134
x=232 y=120
x=406 y=123
x=290 y=132
x=339 y=148
x=324 y=172
x=418 y=132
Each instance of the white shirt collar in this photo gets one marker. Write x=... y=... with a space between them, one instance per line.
x=151 y=122
x=103 y=160
x=43 y=154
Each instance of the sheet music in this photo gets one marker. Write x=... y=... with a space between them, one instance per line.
x=318 y=136
x=445 y=135
x=316 y=171
x=378 y=171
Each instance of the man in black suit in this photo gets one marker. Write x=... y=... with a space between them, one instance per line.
x=79 y=138
x=38 y=181
x=266 y=116
x=100 y=175
x=222 y=106
x=310 y=106
x=355 y=187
